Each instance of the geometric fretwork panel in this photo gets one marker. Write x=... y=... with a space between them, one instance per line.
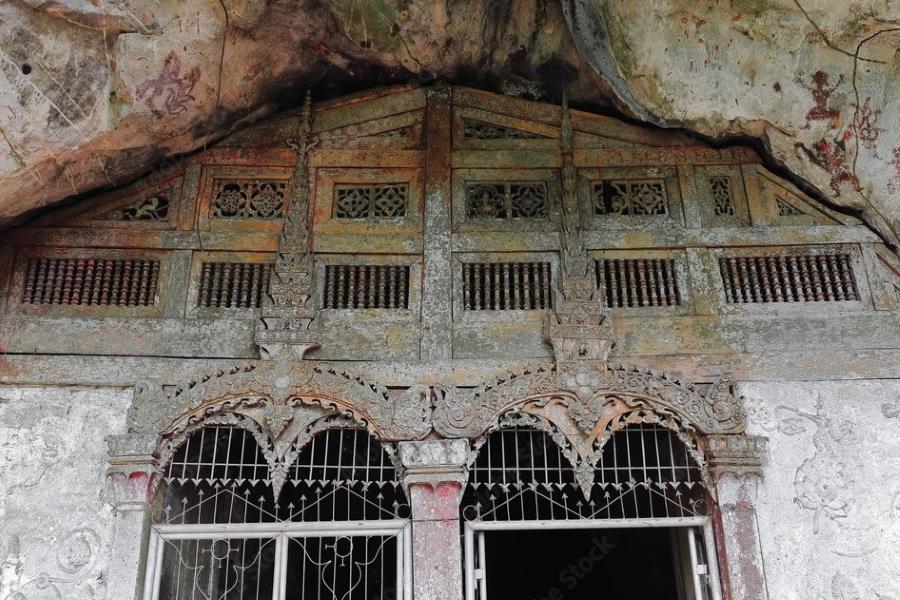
x=506 y=200
x=634 y=282
x=823 y=277
x=370 y=201
x=524 y=474
x=248 y=198
x=722 y=195
x=630 y=197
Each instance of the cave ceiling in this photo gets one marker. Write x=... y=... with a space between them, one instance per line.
x=97 y=92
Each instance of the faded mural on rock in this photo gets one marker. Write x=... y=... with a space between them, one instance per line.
x=55 y=520
x=829 y=504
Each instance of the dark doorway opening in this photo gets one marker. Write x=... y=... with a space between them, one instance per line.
x=584 y=564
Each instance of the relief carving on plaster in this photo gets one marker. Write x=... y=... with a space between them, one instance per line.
x=79 y=574
x=845 y=588
x=826 y=482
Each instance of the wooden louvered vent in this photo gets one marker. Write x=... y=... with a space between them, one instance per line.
x=507 y=286
x=636 y=282
x=825 y=277
x=233 y=285
x=91 y=282
x=366 y=286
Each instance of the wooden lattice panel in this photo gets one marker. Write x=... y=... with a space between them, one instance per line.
x=366 y=286
x=820 y=277
x=636 y=282
x=507 y=286
x=233 y=284
x=91 y=282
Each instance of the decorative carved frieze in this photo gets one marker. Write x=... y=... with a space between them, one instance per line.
x=586 y=398
x=289 y=308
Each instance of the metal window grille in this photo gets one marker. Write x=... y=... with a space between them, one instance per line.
x=635 y=282
x=370 y=201
x=336 y=529
x=643 y=471
x=506 y=200
x=824 y=277
x=366 y=286
x=630 y=197
x=91 y=282
x=233 y=285
x=507 y=286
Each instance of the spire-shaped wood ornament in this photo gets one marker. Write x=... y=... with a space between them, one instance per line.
x=579 y=328
x=288 y=309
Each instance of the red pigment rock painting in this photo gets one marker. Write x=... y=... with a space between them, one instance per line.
x=832 y=157
x=894 y=183
x=821 y=91
x=865 y=125
x=173 y=89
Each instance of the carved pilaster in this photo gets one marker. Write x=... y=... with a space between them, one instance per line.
x=434 y=476
x=579 y=329
x=289 y=309
x=130 y=480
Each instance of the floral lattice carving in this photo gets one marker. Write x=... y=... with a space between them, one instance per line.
x=723 y=202
x=501 y=200
x=248 y=198
x=631 y=197
x=371 y=201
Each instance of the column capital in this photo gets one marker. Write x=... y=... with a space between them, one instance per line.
x=736 y=455
x=433 y=462
x=132 y=472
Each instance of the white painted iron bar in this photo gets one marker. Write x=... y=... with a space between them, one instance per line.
x=712 y=561
x=469 y=548
x=294 y=529
x=587 y=524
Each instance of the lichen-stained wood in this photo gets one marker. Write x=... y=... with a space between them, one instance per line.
x=379 y=197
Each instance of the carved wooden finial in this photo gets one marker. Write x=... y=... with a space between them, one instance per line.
x=579 y=330
x=288 y=309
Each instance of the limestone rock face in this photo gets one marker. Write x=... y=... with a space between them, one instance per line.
x=96 y=93
x=818 y=81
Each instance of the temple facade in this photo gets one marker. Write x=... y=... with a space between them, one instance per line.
x=430 y=343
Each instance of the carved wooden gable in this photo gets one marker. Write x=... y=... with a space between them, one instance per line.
x=440 y=223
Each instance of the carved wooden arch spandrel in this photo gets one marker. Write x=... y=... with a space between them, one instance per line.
x=594 y=398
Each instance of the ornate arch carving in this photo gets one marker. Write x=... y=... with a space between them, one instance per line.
x=595 y=399
x=284 y=387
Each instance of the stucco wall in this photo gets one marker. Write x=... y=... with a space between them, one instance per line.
x=55 y=519
x=829 y=505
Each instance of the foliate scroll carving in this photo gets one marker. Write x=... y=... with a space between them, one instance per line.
x=590 y=400
x=288 y=309
x=388 y=414
x=152 y=208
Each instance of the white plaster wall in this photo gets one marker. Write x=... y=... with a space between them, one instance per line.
x=55 y=521
x=829 y=504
